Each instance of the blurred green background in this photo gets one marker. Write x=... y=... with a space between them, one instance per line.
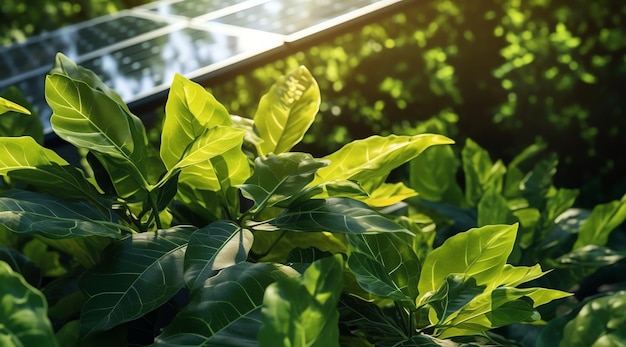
x=506 y=73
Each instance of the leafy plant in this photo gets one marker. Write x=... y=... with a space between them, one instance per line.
x=222 y=236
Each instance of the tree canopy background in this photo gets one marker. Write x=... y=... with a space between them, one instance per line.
x=506 y=73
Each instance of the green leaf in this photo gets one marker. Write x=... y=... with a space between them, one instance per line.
x=386 y=257
x=303 y=311
x=87 y=118
x=497 y=307
x=388 y=194
x=65 y=66
x=189 y=111
x=493 y=209
x=369 y=161
x=433 y=175
x=374 y=278
x=604 y=218
x=538 y=181
x=24 y=159
x=338 y=215
x=15 y=123
x=600 y=322
x=368 y=319
x=215 y=247
x=456 y=291
x=8 y=105
x=480 y=253
x=480 y=172
x=25 y=153
x=287 y=111
x=226 y=311
x=211 y=143
x=591 y=256
x=23 y=312
x=21 y=264
x=30 y=213
x=277 y=178
x=140 y=274
x=220 y=172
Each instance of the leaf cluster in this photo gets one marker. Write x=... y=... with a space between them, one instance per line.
x=223 y=236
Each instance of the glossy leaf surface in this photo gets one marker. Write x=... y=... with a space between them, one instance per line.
x=26 y=212
x=189 y=111
x=278 y=177
x=386 y=257
x=140 y=274
x=480 y=253
x=287 y=111
x=215 y=247
x=603 y=219
x=455 y=292
x=341 y=215
x=226 y=310
x=370 y=160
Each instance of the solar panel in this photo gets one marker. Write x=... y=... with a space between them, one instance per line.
x=287 y=17
x=137 y=52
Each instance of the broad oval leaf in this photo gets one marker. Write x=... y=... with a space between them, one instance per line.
x=303 y=311
x=210 y=143
x=370 y=160
x=88 y=118
x=480 y=253
x=140 y=273
x=23 y=312
x=22 y=158
x=287 y=111
x=226 y=310
x=26 y=212
x=279 y=177
x=433 y=175
x=215 y=247
x=480 y=171
x=395 y=256
x=455 y=292
x=374 y=278
x=338 y=215
x=189 y=111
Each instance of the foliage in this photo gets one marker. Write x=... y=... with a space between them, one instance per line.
x=209 y=238
x=504 y=73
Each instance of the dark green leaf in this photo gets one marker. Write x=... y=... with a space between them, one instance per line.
x=538 y=181
x=33 y=213
x=456 y=292
x=279 y=177
x=591 y=256
x=306 y=256
x=140 y=273
x=287 y=111
x=508 y=310
x=340 y=215
x=394 y=254
x=303 y=310
x=374 y=278
x=21 y=264
x=226 y=311
x=215 y=247
x=23 y=312
x=367 y=319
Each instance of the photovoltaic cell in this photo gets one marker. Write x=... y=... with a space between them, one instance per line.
x=192 y=8
x=287 y=17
